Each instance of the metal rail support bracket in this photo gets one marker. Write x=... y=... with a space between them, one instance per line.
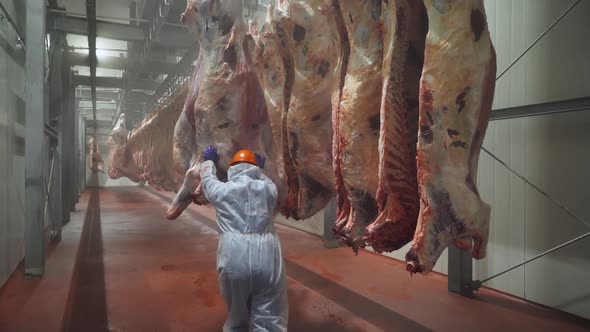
x=460 y=271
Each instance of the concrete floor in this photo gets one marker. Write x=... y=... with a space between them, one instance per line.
x=121 y=266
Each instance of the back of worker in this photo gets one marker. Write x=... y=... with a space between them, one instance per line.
x=249 y=259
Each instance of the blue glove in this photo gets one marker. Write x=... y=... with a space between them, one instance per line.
x=211 y=154
x=260 y=160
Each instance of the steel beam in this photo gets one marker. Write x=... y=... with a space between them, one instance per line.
x=172 y=82
x=118 y=83
x=560 y=106
x=100 y=94
x=35 y=153
x=99 y=124
x=91 y=14
x=171 y=36
x=106 y=95
x=104 y=29
x=141 y=51
x=120 y=63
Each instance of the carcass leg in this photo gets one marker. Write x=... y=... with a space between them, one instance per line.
x=357 y=115
x=184 y=144
x=397 y=194
x=338 y=141
x=189 y=192
x=360 y=158
x=456 y=93
x=185 y=161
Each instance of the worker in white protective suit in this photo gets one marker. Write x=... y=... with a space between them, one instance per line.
x=249 y=260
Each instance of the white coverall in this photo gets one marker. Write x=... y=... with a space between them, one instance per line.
x=249 y=260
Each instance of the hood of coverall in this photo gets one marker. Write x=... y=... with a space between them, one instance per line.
x=244 y=169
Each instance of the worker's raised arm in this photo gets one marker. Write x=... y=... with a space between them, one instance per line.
x=210 y=184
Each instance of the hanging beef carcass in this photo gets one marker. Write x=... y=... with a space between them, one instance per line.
x=121 y=161
x=404 y=32
x=456 y=93
x=152 y=143
x=96 y=163
x=120 y=133
x=295 y=61
x=146 y=155
x=226 y=107
x=356 y=116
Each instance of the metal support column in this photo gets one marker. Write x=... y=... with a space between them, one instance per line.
x=76 y=161
x=56 y=195
x=83 y=164
x=82 y=149
x=330 y=241
x=35 y=139
x=74 y=135
x=460 y=271
x=84 y=158
x=56 y=91
x=67 y=143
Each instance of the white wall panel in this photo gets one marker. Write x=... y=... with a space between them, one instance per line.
x=559 y=164
x=551 y=151
x=12 y=183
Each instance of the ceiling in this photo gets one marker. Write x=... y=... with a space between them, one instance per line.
x=142 y=51
x=130 y=66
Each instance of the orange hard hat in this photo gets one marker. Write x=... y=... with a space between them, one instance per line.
x=244 y=156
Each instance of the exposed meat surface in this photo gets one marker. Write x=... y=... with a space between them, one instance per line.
x=356 y=119
x=120 y=159
x=228 y=110
x=404 y=32
x=383 y=103
x=185 y=153
x=270 y=69
x=456 y=92
x=295 y=61
x=145 y=154
x=96 y=163
x=120 y=133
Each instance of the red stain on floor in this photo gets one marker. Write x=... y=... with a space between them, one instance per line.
x=207 y=290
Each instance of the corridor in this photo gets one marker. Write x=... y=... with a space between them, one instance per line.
x=122 y=266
